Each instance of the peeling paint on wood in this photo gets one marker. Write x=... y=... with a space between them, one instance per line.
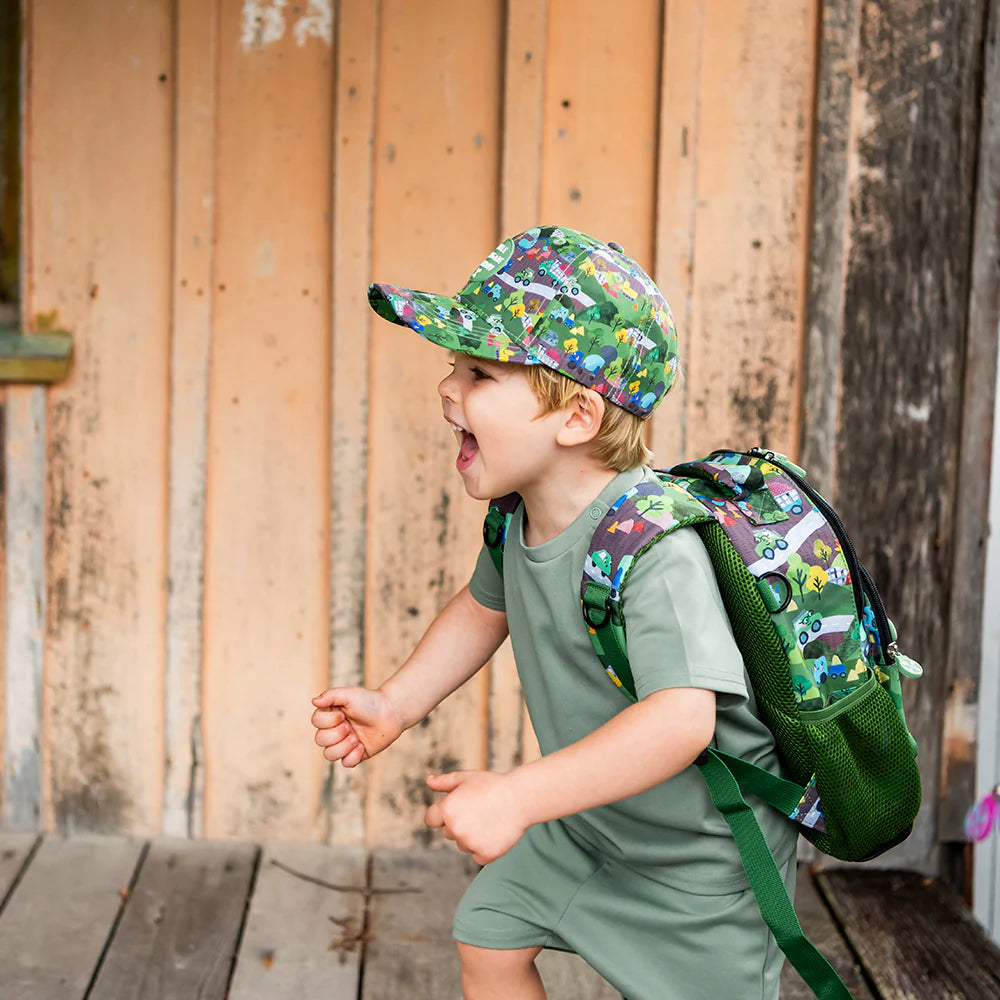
x=194 y=218
x=342 y=794
x=88 y=787
x=264 y=22
x=24 y=544
x=98 y=201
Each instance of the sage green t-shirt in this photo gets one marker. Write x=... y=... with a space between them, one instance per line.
x=678 y=635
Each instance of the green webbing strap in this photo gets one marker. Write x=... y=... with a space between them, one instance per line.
x=493 y=527
x=784 y=795
x=765 y=880
x=607 y=634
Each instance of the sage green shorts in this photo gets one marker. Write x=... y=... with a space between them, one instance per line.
x=649 y=940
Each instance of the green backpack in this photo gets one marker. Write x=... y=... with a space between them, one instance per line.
x=819 y=650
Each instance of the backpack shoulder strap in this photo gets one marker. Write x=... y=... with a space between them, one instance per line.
x=715 y=490
x=498 y=516
x=634 y=522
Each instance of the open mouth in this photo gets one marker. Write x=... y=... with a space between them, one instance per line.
x=468 y=446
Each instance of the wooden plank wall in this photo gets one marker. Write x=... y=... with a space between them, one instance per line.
x=914 y=397
x=245 y=491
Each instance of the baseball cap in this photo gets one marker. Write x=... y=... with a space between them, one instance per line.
x=553 y=296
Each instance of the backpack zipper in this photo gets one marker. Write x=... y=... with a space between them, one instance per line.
x=860 y=580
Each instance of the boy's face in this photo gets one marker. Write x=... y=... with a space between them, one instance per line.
x=504 y=446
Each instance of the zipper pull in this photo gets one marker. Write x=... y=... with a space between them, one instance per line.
x=906 y=665
x=779 y=459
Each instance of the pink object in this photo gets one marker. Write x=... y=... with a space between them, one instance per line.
x=981 y=817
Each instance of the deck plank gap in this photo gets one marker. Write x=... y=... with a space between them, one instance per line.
x=16 y=854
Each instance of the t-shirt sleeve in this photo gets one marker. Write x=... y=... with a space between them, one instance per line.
x=677 y=630
x=486 y=584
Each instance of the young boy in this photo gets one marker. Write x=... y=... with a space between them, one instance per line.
x=608 y=845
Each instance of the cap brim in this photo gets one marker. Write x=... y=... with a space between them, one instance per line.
x=445 y=321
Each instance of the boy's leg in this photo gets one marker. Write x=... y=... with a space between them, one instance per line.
x=506 y=916
x=494 y=974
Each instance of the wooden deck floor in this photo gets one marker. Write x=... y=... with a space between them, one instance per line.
x=94 y=918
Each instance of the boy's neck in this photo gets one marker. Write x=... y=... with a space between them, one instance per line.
x=553 y=505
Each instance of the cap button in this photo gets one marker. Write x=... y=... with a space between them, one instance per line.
x=615 y=246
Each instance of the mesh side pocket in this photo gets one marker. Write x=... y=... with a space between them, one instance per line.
x=765 y=659
x=866 y=774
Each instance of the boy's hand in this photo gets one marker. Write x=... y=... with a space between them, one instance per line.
x=354 y=723
x=479 y=813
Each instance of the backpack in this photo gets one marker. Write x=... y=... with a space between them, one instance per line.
x=819 y=650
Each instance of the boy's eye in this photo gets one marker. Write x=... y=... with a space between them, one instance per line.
x=478 y=374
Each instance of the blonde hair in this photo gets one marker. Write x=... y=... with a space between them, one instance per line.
x=619 y=442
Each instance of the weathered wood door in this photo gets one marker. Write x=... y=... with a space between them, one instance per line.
x=244 y=490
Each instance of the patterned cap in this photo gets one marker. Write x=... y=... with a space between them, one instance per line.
x=552 y=296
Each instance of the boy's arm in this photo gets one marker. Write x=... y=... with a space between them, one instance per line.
x=642 y=746
x=459 y=641
x=354 y=723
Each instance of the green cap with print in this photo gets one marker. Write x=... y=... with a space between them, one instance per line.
x=553 y=296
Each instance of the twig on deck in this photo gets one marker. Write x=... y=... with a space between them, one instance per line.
x=366 y=891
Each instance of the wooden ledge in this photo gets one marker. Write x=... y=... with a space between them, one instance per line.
x=34 y=357
x=914 y=935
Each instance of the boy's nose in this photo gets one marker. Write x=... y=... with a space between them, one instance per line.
x=448 y=388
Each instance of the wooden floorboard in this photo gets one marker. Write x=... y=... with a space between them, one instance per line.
x=181 y=925
x=115 y=918
x=304 y=933
x=915 y=936
x=55 y=925
x=410 y=952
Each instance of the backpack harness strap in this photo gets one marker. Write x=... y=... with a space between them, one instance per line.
x=495 y=526
x=762 y=872
x=633 y=523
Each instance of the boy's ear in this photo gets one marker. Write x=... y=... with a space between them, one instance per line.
x=583 y=418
